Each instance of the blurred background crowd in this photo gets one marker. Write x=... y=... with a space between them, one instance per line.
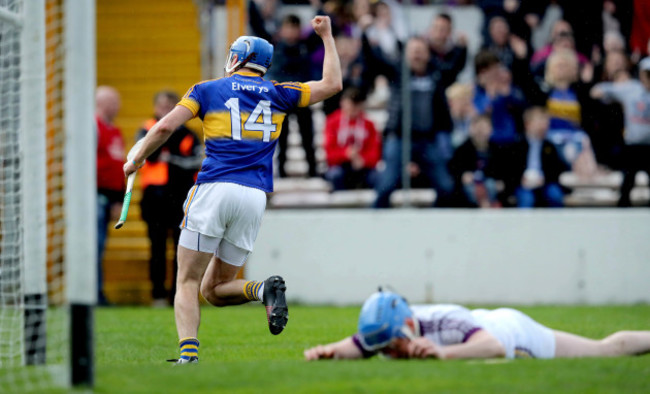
x=485 y=104
x=549 y=87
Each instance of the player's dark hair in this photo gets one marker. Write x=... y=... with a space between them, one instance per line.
x=481 y=118
x=168 y=94
x=292 y=20
x=484 y=60
x=353 y=94
x=445 y=16
x=418 y=38
x=533 y=111
x=373 y=9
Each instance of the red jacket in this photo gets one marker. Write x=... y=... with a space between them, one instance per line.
x=110 y=157
x=342 y=132
x=640 y=27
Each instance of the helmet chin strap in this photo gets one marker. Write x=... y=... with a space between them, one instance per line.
x=238 y=65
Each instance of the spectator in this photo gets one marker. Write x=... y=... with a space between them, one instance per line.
x=360 y=8
x=587 y=23
x=447 y=57
x=262 y=18
x=291 y=60
x=521 y=16
x=382 y=35
x=609 y=119
x=378 y=60
x=110 y=178
x=431 y=124
x=616 y=62
x=166 y=177
x=352 y=144
x=634 y=95
x=470 y=166
x=462 y=110
x=533 y=168
x=561 y=38
x=567 y=99
x=617 y=16
x=499 y=42
x=613 y=41
x=496 y=96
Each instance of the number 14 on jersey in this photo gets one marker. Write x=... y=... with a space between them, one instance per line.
x=263 y=108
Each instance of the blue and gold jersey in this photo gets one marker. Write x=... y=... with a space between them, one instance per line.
x=242 y=120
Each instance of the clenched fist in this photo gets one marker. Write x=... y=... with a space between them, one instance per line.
x=322 y=25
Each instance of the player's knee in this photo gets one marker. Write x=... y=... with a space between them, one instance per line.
x=186 y=281
x=209 y=292
x=616 y=343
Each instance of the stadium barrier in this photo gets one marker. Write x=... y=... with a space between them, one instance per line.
x=577 y=256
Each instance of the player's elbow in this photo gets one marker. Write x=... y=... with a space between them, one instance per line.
x=495 y=350
x=165 y=126
x=336 y=86
x=331 y=88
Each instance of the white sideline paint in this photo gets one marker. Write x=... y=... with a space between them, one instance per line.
x=577 y=256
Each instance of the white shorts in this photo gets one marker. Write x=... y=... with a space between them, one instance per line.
x=221 y=248
x=226 y=211
x=520 y=335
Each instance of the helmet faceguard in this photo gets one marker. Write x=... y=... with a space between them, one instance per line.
x=252 y=52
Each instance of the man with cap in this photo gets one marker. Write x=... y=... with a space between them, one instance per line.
x=389 y=326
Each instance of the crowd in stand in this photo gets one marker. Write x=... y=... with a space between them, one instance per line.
x=576 y=100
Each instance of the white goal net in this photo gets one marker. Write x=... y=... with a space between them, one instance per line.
x=34 y=299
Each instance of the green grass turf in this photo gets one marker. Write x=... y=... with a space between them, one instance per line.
x=238 y=354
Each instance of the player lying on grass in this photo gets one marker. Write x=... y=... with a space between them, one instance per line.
x=242 y=118
x=388 y=325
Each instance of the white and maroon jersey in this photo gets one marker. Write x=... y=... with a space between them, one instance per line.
x=448 y=324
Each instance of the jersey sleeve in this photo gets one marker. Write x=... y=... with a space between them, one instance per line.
x=192 y=100
x=457 y=326
x=446 y=324
x=293 y=94
x=365 y=352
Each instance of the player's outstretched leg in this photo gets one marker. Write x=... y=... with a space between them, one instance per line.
x=621 y=343
x=277 y=311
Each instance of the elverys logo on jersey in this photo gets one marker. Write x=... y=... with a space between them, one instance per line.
x=249 y=88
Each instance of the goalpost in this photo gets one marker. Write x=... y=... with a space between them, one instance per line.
x=47 y=193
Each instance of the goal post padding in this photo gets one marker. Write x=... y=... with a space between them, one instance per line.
x=34 y=187
x=80 y=183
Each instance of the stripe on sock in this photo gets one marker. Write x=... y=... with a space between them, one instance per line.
x=251 y=290
x=189 y=347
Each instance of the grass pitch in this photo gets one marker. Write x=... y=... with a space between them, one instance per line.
x=238 y=354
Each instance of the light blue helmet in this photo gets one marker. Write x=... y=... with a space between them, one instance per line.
x=383 y=317
x=252 y=52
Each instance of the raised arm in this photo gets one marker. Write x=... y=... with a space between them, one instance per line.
x=332 y=82
x=157 y=136
x=344 y=349
x=481 y=344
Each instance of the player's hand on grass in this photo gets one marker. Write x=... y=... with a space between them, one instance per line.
x=322 y=25
x=319 y=352
x=423 y=348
